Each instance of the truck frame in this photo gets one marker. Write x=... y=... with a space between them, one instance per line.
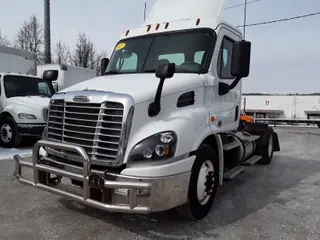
x=161 y=128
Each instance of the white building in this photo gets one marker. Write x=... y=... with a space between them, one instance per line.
x=282 y=106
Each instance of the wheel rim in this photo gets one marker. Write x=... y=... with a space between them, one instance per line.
x=270 y=147
x=205 y=182
x=6 y=133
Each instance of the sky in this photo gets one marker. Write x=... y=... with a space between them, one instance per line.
x=285 y=56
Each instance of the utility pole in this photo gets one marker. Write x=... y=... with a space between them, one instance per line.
x=144 y=12
x=47 y=40
x=244 y=19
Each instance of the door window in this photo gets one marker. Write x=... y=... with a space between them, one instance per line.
x=44 y=89
x=224 y=60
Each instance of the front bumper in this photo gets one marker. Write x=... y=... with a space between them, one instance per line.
x=120 y=193
x=32 y=130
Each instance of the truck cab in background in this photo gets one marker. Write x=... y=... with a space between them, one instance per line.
x=24 y=97
x=68 y=75
x=24 y=101
x=160 y=128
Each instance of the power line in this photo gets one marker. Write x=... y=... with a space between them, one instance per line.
x=242 y=4
x=280 y=20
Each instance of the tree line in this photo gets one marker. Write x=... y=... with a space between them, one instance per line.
x=30 y=37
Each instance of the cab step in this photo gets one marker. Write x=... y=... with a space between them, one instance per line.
x=252 y=160
x=233 y=172
x=231 y=145
x=250 y=138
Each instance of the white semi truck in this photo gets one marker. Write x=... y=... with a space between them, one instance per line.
x=160 y=130
x=24 y=98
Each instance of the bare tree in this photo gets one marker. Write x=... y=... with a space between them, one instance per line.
x=30 y=37
x=84 y=52
x=4 y=40
x=61 y=53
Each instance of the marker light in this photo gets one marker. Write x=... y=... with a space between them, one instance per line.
x=198 y=21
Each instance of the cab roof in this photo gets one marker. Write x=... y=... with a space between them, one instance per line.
x=175 y=15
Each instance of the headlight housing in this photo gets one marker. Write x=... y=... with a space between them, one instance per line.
x=26 y=116
x=159 y=146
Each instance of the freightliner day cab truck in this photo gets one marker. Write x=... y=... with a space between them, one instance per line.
x=24 y=98
x=160 y=130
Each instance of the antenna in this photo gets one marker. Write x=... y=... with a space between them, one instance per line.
x=144 y=12
x=244 y=19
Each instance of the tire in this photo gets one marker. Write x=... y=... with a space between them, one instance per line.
x=9 y=133
x=194 y=209
x=266 y=149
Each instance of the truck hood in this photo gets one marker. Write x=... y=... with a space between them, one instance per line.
x=32 y=102
x=142 y=87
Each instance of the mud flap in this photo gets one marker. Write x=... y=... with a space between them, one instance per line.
x=276 y=144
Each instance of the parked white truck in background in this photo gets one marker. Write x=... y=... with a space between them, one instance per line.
x=161 y=129
x=68 y=75
x=24 y=98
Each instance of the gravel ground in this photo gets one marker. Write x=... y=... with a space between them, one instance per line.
x=279 y=201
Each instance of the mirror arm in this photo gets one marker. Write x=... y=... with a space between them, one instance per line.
x=224 y=88
x=155 y=107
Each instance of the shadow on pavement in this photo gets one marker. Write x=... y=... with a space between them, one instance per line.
x=251 y=191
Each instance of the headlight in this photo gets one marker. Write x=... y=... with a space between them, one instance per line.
x=26 y=116
x=160 y=146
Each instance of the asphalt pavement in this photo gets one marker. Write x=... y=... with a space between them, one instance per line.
x=279 y=201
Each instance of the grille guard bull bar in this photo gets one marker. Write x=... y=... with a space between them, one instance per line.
x=130 y=207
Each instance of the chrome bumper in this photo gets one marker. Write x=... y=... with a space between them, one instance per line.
x=135 y=195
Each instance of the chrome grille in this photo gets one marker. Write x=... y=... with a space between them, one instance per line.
x=95 y=127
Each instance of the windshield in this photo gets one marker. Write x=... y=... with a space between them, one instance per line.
x=20 y=86
x=190 y=51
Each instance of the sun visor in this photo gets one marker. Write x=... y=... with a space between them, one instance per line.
x=175 y=10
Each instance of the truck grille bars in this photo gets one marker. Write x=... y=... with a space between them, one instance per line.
x=96 y=127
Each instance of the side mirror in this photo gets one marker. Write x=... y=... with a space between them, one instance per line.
x=165 y=71
x=240 y=64
x=104 y=64
x=50 y=75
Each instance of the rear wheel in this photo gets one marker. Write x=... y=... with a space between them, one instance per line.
x=9 y=134
x=265 y=149
x=203 y=184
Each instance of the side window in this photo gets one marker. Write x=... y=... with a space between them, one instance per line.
x=224 y=60
x=43 y=88
x=128 y=64
x=198 y=56
x=177 y=58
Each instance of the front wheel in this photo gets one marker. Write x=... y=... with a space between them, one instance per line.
x=9 y=134
x=203 y=184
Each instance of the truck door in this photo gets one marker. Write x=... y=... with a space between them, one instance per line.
x=226 y=107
